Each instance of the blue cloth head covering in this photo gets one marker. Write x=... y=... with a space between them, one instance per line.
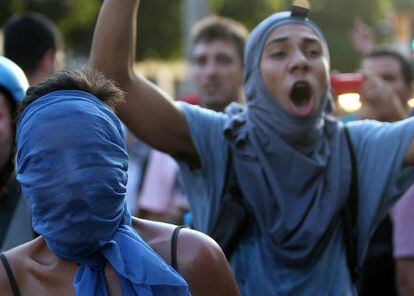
x=72 y=165
x=293 y=171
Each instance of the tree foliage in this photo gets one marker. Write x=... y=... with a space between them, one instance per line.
x=404 y=5
x=75 y=18
x=159 y=29
x=336 y=17
x=249 y=12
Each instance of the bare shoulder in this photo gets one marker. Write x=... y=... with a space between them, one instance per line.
x=15 y=259
x=200 y=260
x=202 y=263
x=197 y=250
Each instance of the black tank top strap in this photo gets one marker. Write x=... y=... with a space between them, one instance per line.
x=10 y=275
x=174 y=247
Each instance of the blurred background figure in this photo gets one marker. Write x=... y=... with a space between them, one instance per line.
x=216 y=61
x=34 y=43
x=383 y=91
x=403 y=243
x=387 y=87
x=362 y=37
x=388 y=102
x=138 y=153
x=216 y=66
x=162 y=197
x=15 y=218
x=31 y=43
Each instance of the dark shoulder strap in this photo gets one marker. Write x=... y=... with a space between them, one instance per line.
x=350 y=214
x=235 y=216
x=174 y=239
x=229 y=176
x=231 y=188
x=10 y=275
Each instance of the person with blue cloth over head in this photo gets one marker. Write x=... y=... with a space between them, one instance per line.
x=72 y=167
x=315 y=188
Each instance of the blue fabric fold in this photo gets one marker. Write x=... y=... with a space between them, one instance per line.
x=72 y=165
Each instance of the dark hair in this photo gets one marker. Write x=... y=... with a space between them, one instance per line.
x=86 y=80
x=406 y=65
x=27 y=37
x=215 y=27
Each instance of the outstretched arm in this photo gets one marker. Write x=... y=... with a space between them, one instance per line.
x=148 y=112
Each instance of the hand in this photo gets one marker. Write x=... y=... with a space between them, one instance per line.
x=379 y=100
x=362 y=37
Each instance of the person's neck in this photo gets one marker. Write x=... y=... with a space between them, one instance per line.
x=221 y=106
x=48 y=262
x=36 y=77
x=218 y=107
x=56 y=272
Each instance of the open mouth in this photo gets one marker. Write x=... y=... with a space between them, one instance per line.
x=300 y=95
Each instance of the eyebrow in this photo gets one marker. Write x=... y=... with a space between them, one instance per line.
x=277 y=40
x=284 y=39
x=311 y=40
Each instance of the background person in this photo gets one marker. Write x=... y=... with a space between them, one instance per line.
x=216 y=65
x=403 y=243
x=15 y=218
x=34 y=43
x=387 y=87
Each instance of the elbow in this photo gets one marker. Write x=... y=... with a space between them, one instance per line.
x=120 y=74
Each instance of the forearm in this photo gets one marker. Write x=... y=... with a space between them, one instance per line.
x=148 y=112
x=113 y=46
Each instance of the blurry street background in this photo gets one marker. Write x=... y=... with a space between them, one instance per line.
x=164 y=26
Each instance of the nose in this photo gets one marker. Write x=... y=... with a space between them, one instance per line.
x=210 y=67
x=299 y=62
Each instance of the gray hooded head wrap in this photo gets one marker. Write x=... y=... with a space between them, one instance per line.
x=293 y=171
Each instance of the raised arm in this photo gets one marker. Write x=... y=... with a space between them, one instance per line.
x=148 y=112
